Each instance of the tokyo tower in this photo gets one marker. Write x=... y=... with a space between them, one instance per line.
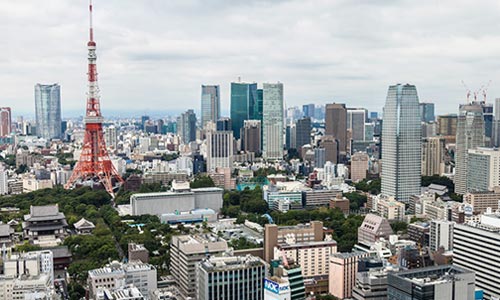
x=94 y=163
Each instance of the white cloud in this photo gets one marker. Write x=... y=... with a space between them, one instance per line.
x=156 y=54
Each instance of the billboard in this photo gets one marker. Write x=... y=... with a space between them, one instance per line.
x=276 y=291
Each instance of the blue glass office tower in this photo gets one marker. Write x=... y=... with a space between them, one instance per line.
x=244 y=104
x=48 y=111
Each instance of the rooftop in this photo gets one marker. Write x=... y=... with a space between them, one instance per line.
x=431 y=275
x=226 y=263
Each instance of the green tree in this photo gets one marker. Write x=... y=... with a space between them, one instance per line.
x=356 y=200
x=26 y=247
x=201 y=182
x=399 y=226
x=22 y=169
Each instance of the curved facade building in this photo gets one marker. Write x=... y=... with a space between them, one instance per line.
x=402 y=140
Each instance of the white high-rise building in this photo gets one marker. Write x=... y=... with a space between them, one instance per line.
x=483 y=169
x=110 y=137
x=470 y=134
x=441 y=235
x=219 y=150
x=272 y=121
x=476 y=247
x=401 y=143
x=4 y=189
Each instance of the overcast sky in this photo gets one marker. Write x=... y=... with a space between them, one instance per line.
x=153 y=55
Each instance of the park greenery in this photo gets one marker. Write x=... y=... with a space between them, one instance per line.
x=202 y=182
x=112 y=234
x=356 y=200
x=372 y=186
x=249 y=205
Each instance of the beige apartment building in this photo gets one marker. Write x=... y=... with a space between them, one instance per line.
x=275 y=235
x=359 y=166
x=342 y=275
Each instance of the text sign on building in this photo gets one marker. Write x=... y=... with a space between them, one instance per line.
x=275 y=287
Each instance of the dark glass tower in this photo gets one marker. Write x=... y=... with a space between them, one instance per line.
x=243 y=102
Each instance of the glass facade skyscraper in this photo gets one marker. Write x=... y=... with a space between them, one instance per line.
x=427 y=112
x=210 y=104
x=48 y=111
x=243 y=102
x=186 y=126
x=272 y=125
x=401 y=133
x=470 y=134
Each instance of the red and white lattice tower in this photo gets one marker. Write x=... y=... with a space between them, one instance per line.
x=94 y=163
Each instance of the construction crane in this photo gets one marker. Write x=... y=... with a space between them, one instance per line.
x=485 y=89
x=467 y=89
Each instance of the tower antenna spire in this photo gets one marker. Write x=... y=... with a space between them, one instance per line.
x=91 y=27
x=94 y=164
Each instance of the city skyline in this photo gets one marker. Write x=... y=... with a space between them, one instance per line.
x=168 y=66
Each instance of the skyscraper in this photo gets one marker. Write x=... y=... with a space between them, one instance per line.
x=219 y=150
x=302 y=132
x=496 y=124
x=272 y=117
x=308 y=110
x=401 y=155
x=488 y=120
x=186 y=126
x=447 y=125
x=244 y=101
x=433 y=151
x=48 y=110
x=336 y=125
x=427 y=112
x=5 y=121
x=356 y=118
x=470 y=134
x=251 y=137
x=258 y=108
x=210 y=104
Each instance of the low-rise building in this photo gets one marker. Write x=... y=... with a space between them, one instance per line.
x=312 y=257
x=138 y=252
x=481 y=201
x=373 y=228
x=84 y=226
x=188 y=251
x=389 y=208
x=342 y=275
x=441 y=282
x=116 y=276
x=441 y=235
x=176 y=201
x=372 y=284
x=275 y=235
x=419 y=233
x=318 y=198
